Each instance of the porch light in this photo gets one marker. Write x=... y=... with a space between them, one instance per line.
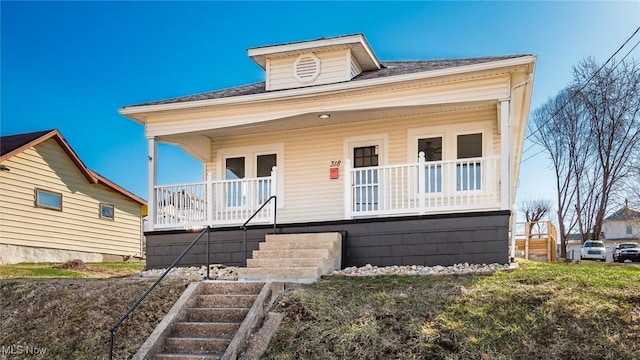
x=324 y=116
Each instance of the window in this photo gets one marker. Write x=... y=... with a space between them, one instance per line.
x=234 y=170
x=469 y=173
x=48 y=199
x=432 y=149
x=106 y=211
x=254 y=164
x=629 y=230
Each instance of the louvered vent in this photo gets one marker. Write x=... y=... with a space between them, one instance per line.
x=306 y=68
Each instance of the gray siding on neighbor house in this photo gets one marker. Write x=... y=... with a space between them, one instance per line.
x=418 y=240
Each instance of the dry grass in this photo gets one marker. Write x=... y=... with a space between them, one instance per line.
x=70 y=318
x=59 y=270
x=540 y=311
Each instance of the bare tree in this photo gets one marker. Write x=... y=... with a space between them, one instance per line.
x=534 y=211
x=611 y=98
x=559 y=128
x=591 y=132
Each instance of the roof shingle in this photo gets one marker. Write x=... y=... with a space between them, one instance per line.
x=389 y=69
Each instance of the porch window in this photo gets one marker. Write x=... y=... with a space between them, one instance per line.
x=432 y=149
x=264 y=164
x=234 y=170
x=469 y=174
x=237 y=168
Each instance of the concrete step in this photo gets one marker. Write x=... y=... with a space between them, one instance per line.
x=291 y=274
x=224 y=315
x=186 y=357
x=295 y=253
x=231 y=287
x=322 y=264
x=205 y=330
x=303 y=237
x=193 y=346
x=227 y=301
x=297 y=244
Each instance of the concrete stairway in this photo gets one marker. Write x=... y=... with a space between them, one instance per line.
x=294 y=258
x=210 y=321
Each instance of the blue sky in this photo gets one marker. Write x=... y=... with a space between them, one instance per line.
x=72 y=65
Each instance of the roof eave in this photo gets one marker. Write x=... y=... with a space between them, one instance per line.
x=55 y=134
x=131 y=111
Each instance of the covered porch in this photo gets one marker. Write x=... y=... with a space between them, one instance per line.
x=419 y=188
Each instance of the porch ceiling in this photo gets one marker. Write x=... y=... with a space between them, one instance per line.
x=311 y=120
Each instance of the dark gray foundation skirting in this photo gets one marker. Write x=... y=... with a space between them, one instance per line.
x=480 y=237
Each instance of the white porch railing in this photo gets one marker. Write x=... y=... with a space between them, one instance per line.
x=213 y=202
x=422 y=187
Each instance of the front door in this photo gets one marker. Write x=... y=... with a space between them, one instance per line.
x=366 y=177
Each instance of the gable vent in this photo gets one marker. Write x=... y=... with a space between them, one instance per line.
x=306 y=68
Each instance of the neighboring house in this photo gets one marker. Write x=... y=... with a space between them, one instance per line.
x=53 y=208
x=624 y=224
x=415 y=162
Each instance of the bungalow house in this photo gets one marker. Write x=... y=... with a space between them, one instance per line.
x=411 y=162
x=53 y=208
x=622 y=225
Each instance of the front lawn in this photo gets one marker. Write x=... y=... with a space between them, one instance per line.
x=582 y=310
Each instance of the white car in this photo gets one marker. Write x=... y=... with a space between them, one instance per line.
x=593 y=249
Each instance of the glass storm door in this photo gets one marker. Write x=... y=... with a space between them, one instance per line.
x=366 y=185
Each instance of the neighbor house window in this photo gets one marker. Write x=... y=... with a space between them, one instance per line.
x=48 y=199
x=629 y=230
x=106 y=211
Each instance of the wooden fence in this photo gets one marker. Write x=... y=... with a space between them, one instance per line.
x=536 y=241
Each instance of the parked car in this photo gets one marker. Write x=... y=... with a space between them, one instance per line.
x=593 y=249
x=626 y=251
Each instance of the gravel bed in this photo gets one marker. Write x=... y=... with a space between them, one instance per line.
x=221 y=272
x=459 y=269
x=216 y=272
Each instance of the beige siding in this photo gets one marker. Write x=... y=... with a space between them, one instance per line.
x=309 y=194
x=333 y=68
x=78 y=226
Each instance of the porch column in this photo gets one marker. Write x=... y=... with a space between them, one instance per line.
x=505 y=156
x=347 y=189
x=152 y=181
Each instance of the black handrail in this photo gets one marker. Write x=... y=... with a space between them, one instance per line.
x=144 y=295
x=244 y=226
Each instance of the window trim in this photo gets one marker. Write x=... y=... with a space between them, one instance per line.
x=449 y=135
x=36 y=197
x=250 y=154
x=113 y=209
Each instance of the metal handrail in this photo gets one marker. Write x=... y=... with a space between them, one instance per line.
x=244 y=226
x=144 y=295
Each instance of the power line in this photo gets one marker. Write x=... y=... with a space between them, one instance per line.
x=587 y=82
x=581 y=88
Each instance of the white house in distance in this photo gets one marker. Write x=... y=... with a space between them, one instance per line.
x=624 y=224
x=413 y=162
x=53 y=208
